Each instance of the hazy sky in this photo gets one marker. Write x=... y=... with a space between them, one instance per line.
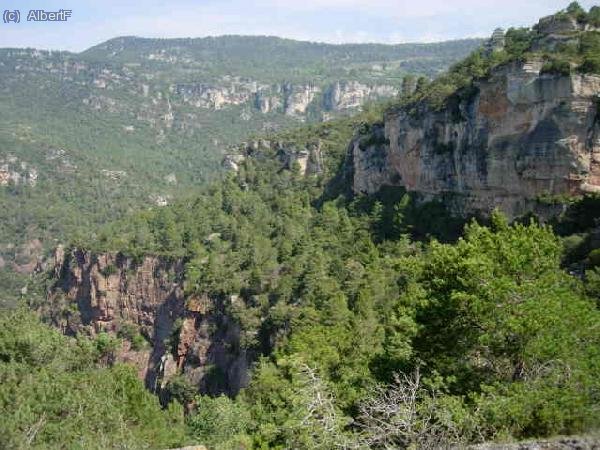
x=388 y=21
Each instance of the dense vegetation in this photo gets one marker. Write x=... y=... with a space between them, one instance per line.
x=486 y=337
x=272 y=59
x=87 y=138
x=57 y=392
x=376 y=325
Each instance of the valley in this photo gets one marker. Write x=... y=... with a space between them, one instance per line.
x=134 y=123
x=377 y=247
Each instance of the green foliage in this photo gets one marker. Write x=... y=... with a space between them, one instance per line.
x=557 y=66
x=594 y=16
x=109 y=270
x=575 y=247
x=591 y=64
x=502 y=320
x=395 y=212
x=219 y=422
x=589 y=47
x=592 y=284
x=581 y=215
x=131 y=332
x=53 y=394
x=292 y=407
x=593 y=258
x=342 y=296
x=105 y=133
x=333 y=289
x=106 y=347
x=270 y=59
x=180 y=389
x=437 y=93
x=518 y=41
x=559 y=60
x=576 y=11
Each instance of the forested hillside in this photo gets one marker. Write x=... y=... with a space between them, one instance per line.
x=132 y=123
x=480 y=339
x=379 y=320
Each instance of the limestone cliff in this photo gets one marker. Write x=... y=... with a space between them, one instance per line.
x=298 y=98
x=506 y=141
x=113 y=293
x=288 y=98
x=352 y=94
x=307 y=159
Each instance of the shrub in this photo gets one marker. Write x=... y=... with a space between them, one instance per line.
x=219 y=422
x=109 y=270
x=557 y=66
x=575 y=247
x=131 y=332
x=593 y=259
x=592 y=284
x=576 y=11
x=180 y=389
x=593 y=17
x=591 y=64
x=106 y=346
x=53 y=394
x=518 y=41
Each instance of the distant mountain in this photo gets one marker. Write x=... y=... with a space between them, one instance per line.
x=134 y=122
x=271 y=58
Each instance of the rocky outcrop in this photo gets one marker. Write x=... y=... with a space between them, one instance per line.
x=232 y=162
x=268 y=100
x=350 y=95
x=292 y=99
x=504 y=142
x=297 y=98
x=306 y=159
x=558 y=29
x=309 y=160
x=16 y=172
x=202 y=95
x=191 y=336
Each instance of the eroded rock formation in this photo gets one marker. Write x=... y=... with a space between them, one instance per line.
x=505 y=142
x=351 y=95
x=190 y=336
x=307 y=159
x=289 y=98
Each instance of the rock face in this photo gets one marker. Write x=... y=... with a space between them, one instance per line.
x=268 y=100
x=202 y=95
x=288 y=98
x=298 y=98
x=505 y=142
x=15 y=172
x=190 y=336
x=352 y=94
x=558 y=29
x=307 y=159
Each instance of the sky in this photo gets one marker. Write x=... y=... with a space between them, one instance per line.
x=333 y=21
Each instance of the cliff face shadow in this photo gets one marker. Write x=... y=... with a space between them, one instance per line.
x=166 y=315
